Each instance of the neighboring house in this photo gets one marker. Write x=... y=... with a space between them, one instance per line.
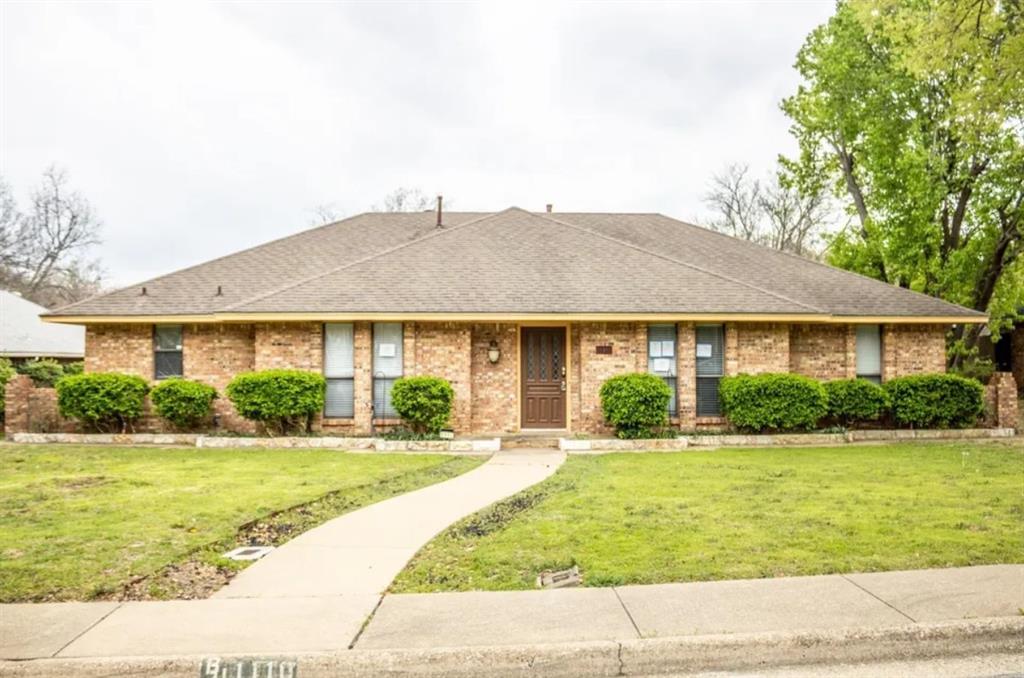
x=526 y=314
x=23 y=336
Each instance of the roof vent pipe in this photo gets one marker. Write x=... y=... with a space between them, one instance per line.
x=220 y=291
x=440 y=198
x=549 y=207
x=143 y=292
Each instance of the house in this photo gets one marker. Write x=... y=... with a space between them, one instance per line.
x=23 y=336
x=526 y=314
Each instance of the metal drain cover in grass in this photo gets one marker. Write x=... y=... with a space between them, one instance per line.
x=248 y=552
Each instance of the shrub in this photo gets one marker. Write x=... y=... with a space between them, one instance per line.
x=635 y=404
x=186 y=404
x=280 y=399
x=852 y=400
x=77 y=367
x=773 y=402
x=44 y=372
x=424 y=403
x=6 y=372
x=106 y=401
x=936 y=400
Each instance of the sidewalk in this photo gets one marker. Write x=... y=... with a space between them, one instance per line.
x=312 y=594
x=417 y=622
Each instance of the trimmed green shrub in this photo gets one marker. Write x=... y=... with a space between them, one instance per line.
x=936 y=400
x=282 y=400
x=424 y=403
x=635 y=404
x=186 y=404
x=77 y=367
x=44 y=372
x=773 y=402
x=853 y=400
x=6 y=372
x=105 y=401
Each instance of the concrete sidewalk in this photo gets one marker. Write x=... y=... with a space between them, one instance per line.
x=790 y=604
x=312 y=594
x=411 y=622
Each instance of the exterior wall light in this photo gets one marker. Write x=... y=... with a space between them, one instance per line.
x=493 y=352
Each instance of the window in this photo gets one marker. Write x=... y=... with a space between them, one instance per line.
x=869 y=353
x=661 y=358
x=387 y=366
x=167 y=351
x=710 y=367
x=339 y=370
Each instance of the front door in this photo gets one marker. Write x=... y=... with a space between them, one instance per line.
x=543 y=376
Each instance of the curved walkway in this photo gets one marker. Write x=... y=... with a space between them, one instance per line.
x=312 y=594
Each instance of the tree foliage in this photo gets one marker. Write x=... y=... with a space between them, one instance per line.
x=45 y=251
x=911 y=112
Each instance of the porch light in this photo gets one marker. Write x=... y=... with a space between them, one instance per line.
x=493 y=352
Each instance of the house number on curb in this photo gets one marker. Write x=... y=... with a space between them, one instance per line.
x=249 y=667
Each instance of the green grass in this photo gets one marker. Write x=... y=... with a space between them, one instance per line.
x=80 y=522
x=731 y=514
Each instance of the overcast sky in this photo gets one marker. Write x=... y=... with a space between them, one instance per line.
x=199 y=129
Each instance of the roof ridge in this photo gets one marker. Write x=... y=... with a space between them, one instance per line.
x=817 y=263
x=60 y=310
x=433 y=234
x=681 y=263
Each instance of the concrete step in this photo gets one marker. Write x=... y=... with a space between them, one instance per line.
x=530 y=441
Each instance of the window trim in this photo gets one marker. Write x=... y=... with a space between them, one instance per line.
x=672 y=378
x=875 y=378
x=180 y=351
x=328 y=379
x=382 y=379
x=704 y=378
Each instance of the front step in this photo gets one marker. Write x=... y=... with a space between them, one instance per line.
x=528 y=441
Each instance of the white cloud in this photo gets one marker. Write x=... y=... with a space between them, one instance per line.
x=197 y=129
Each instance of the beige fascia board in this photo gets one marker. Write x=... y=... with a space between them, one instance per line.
x=809 y=318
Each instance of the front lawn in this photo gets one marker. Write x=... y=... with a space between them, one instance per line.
x=732 y=514
x=82 y=522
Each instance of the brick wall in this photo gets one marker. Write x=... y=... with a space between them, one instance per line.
x=443 y=350
x=1017 y=355
x=823 y=351
x=495 y=398
x=628 y=343
x=1001 y=401
x=119 y=348
x=756 y=348
x=913 y=349
x=487 y=398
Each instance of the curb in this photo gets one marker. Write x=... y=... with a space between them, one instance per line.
x=603 y=658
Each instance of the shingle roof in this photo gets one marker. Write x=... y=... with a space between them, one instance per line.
x=24 y=335
x=514 y=262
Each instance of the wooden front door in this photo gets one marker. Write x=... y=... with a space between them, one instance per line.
x=543 y=377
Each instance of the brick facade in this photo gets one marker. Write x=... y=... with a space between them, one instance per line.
x=486 y=394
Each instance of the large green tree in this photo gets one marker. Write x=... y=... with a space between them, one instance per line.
x=911 y=111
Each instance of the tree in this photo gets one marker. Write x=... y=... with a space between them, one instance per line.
x=773 y=213
x=912 y=113
x=45 y=251
x=405 y=200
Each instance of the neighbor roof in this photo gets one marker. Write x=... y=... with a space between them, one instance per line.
x=24 y=335
x=512 y=262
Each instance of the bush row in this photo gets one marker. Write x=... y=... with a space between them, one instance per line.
x=282 y=401
x=636 y=404
x=788 y=402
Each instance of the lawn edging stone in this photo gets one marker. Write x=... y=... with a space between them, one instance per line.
x=351 y=444
x=598 y=445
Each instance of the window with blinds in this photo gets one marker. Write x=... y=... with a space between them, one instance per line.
x=661 y=358
x=167 y=351
x=710 y=368
x=869 y=353
x=387 y=367
x=339 y=370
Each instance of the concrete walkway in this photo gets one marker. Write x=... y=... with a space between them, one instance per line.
x=312 y=594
